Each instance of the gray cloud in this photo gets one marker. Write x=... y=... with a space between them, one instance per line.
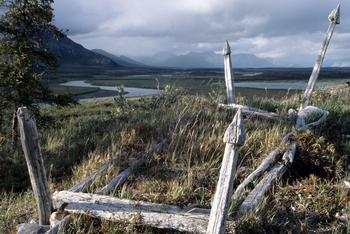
x=289 y=32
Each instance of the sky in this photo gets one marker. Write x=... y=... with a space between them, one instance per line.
x=287 y=32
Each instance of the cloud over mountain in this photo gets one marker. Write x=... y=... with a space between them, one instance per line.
x=288 y=32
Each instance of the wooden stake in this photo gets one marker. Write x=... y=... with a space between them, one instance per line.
x=334 y=19
x=35 y=164
x=230 y=91
x=234 y=137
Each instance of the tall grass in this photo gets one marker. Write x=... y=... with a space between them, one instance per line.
x=78 y=139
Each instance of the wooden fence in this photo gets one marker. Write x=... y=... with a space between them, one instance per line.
x=76 y=201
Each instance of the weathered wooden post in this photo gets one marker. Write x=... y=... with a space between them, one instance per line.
x=334 y=19
x=35 y=163
x=230 y=91
x=234 y=137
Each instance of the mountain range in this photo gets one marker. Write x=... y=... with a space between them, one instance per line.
x=203 y=60
x=70 y=53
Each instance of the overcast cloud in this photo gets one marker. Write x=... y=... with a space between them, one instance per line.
x=289 y=32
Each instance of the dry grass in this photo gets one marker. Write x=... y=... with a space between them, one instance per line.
x=185 y=171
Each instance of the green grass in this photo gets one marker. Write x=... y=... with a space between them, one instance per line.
x=76 y=140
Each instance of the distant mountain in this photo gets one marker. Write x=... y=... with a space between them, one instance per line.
x=204 y=60
x=71 y=53
x=122 y=60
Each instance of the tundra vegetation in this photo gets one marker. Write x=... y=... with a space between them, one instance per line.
x=77 y=140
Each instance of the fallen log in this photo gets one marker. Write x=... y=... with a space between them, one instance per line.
x=250 y=110
x=262 y=188
x=122 y=210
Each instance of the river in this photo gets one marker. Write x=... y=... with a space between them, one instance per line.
x=139 y=92
x=130 y=91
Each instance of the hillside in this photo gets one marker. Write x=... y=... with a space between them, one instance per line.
x=77 y=140
x=122 y=60
x=70 y=53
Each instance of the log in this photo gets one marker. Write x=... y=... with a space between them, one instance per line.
x=246 y=110
x=262 y=188
x=230 y=90
x=35 y=164
x=123 y=210
x=307 y=112
x=234 y=137
x=121 y=178
x=266 y=164
x=334 y=19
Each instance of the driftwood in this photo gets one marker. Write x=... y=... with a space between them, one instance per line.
x=122 y=210
x=234 y=137
x=121 y=178
x=307 y=112
x=35 y=164
x=230 y=90
x=266 y=164
x=250 y=111
x=262 y=188
x=334 y=19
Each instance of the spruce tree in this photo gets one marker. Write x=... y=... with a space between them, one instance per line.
x=24 y=58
